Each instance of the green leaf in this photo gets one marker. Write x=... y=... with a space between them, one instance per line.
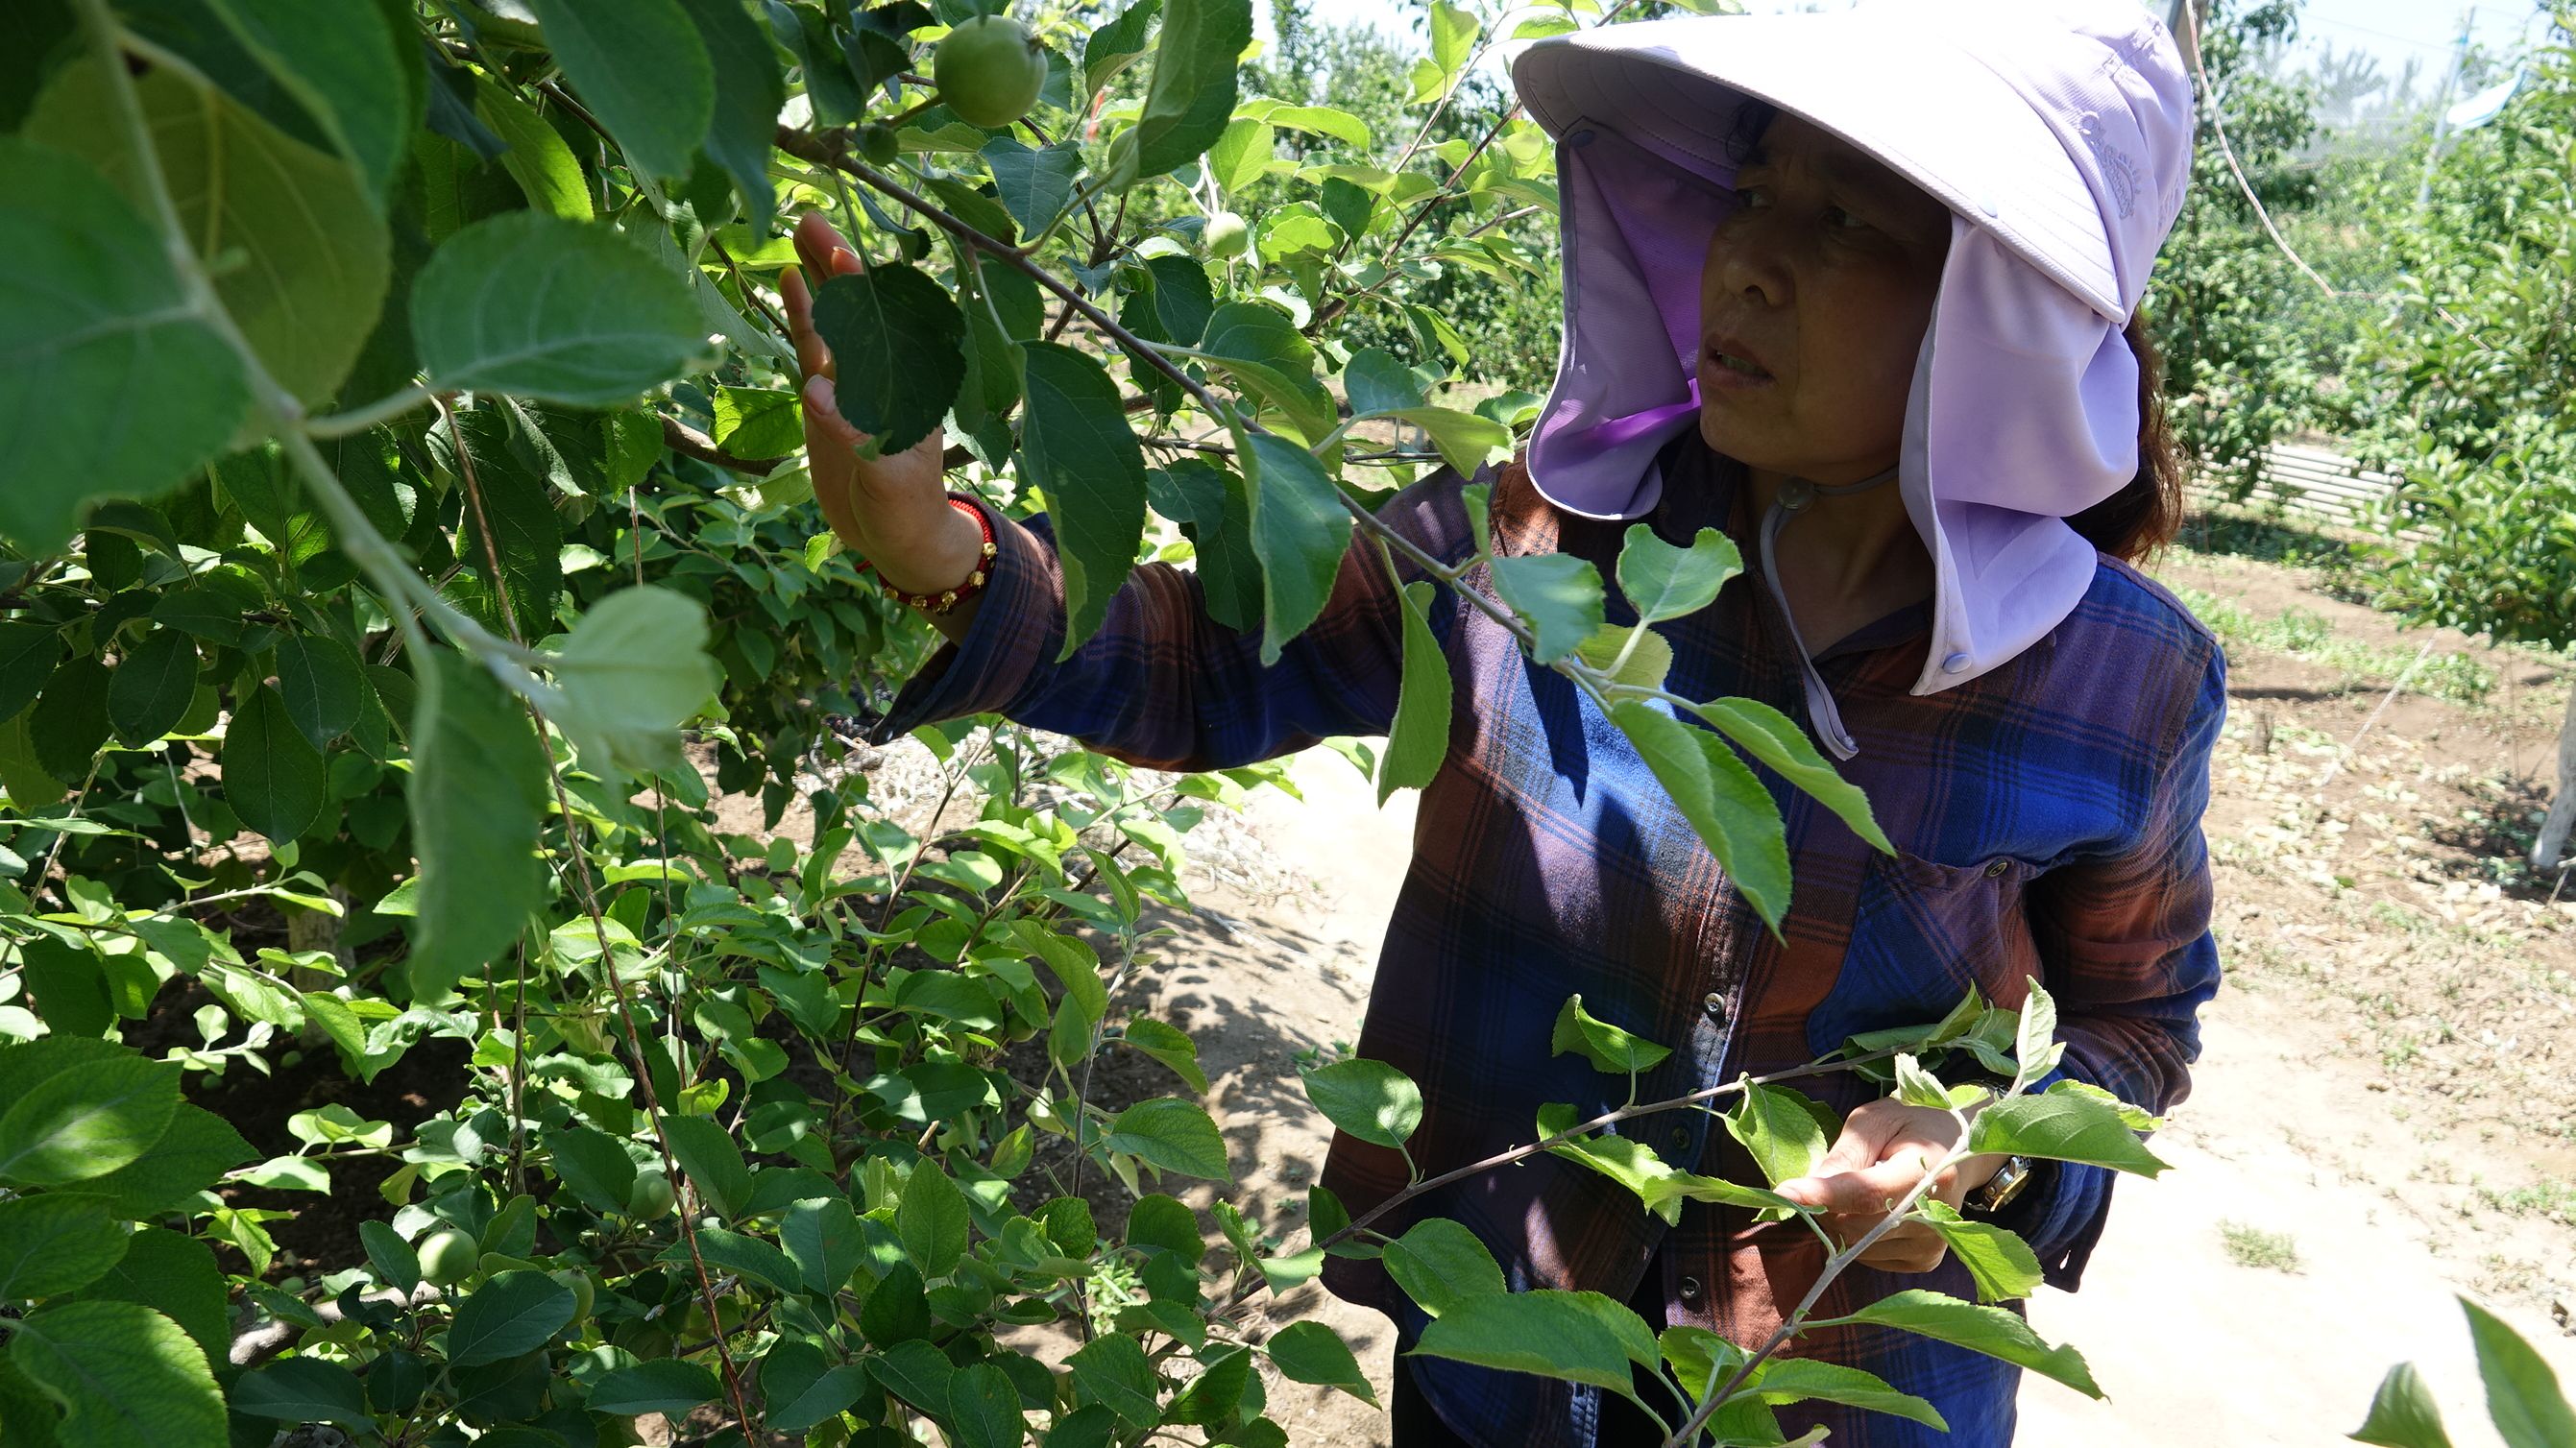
x=633 y=671
x=2035 y=1048
x=1170 y=1045
x=2523 y=1395
x=713 y=1163
x=1299 y=531
x=70 y=719
x=188 y=1158
x=1214 y=509
x=548 y=173
x=1191 y=96
x=1606 y=1046
x=900 y=343
x=1035 y=185
x=1378 y=385
x=1370 y=1100
x=1453 y=36
x=175 y=1276
x=985 y=1409
x=2002 y=1264
x=665 y=1385
x=292 y=237
x=1319 y=120
x=1116 y=45
x=592 y=1164
x=396 y=1262
x=100 y=353
x=1466 y=442
x=71 y=986
x=932 y=1219
x=824 y=1239
x=1111 y=1370
x=742 y=1255
x=749 y=93
x=1662 y=581
x=1560 y=596
x=149 y=692
x=516 y=1311
x=125 y=1376
x=1790 y=1380
x=1660 y=1186
x=1649 y=660
x=1215 y=1395
x=1439 y=1263
x=342 y=62
x=1775 y=739
x=1577 y=1337
x=2403 y=1413
x=72 y=1125
x=537 y=306
x=28 y=654
x=1077 y=445
x=1728 y=808
x=1774 y=1124
x=1241 y=153
x=1310 y=1352
x=321 y=684
x=1261 y=348
x=641 y=69
x=477 y=789
x=758 y=422
x=1172 y=1134
x=1418 y=743
x=803 y=1389
x=304 y=1390
x=2061 y=1126
x=55 y=1244
x=1992 y=1331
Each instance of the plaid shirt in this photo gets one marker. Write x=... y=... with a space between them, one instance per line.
x=2049 y=815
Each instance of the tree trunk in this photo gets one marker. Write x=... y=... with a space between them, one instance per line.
x=2562 y=808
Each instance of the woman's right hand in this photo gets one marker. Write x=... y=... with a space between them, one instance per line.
x=891 y=510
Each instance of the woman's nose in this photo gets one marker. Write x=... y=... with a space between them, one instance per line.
x=1748 y=260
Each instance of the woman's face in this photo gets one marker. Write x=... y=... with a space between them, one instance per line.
x=1813 y=300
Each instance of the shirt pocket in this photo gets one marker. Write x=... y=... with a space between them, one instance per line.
x=1922 y=933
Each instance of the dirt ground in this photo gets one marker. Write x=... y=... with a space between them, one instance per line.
x=2388 y=1082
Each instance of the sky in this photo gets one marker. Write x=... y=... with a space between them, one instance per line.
x=2392 y=30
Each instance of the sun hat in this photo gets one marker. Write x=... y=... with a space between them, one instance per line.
x=2058 y=132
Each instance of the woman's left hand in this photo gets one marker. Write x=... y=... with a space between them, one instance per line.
x=1885 y=1148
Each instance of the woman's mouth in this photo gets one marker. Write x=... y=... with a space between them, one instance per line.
x=1729 y=370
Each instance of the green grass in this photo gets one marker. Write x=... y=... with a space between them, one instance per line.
x=2304 y=634
x=2547 y=1197
x=2254 y=1247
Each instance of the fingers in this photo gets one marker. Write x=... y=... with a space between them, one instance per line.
x=1870 y=1189
x=823 y=410
x=819 y=243
x=1908 y=1247
x=813 y=359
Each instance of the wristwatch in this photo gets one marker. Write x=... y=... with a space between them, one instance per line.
x=1999 y=1189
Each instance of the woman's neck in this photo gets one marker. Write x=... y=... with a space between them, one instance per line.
x=1850 y=560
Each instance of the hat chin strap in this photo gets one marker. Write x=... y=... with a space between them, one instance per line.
x=1795 y=497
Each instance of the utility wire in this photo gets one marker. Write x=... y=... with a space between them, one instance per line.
x=2218 y=124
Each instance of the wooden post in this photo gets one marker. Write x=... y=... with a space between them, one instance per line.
x=2562 y=807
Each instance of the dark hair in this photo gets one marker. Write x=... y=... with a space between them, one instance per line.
x=2145 y=515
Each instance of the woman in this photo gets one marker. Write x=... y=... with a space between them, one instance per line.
x=1858 y=289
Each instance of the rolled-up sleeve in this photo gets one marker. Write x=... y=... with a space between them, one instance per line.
x=2130 y=960
x=1162 y=684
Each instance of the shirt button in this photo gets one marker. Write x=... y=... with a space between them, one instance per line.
x=1997 y=868
x=1689 y=1288
x=1680 y=1138
x=1714 y=1004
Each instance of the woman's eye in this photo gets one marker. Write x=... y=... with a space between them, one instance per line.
x=1842 y=220
x=1752 y=197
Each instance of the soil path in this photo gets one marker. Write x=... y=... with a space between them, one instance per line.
x=2385 y=1082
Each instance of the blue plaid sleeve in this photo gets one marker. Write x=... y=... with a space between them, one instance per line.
x=1161 y=683
x=2130 y=962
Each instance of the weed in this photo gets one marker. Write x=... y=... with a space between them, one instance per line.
x=2254 y=1247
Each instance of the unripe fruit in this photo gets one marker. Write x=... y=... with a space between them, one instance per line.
x=651 y=1197
x=877 y=143
x=989 y=71
x=583 y=1294
x=1226 y=235
x=448 y=1256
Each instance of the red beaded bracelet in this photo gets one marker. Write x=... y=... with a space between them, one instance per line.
x=944 y=601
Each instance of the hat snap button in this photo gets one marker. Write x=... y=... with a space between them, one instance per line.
x=1955 y=664
x=1987 y=205
x=1580 y=138
x=1797 y=493
x=1689 y=1287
